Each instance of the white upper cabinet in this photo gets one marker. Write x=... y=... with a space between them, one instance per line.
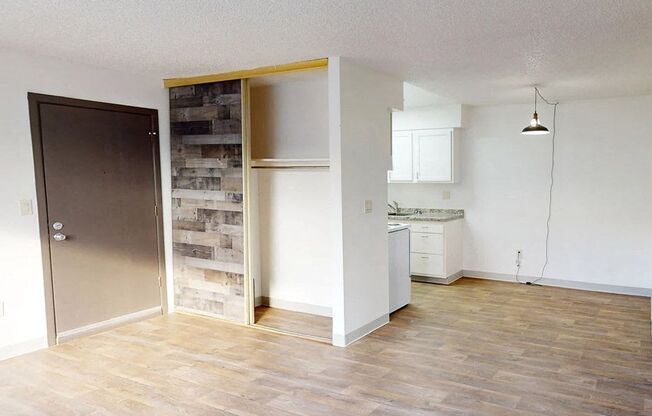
x=425 y=156
x=402 y=169
x=434 y=155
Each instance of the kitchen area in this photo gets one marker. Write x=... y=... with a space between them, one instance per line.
x=425 y=243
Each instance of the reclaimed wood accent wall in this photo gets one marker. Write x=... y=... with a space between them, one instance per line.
x=207 y=194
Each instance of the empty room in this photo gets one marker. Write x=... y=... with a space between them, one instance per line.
x=357 y=208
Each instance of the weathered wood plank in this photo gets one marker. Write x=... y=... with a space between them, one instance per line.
x=222 y=151
x=193 y=250
x=196 y=183
x=215 y=265
x=192 y=127
x=206 y=163
x=234 y=174
x=182 y=225
x=212 y=139
x=202 y=203
x=199 y=194
x=205 y=112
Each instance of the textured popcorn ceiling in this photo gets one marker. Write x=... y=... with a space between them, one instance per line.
x=469 y=51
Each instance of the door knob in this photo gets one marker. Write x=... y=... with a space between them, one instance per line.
x=59 y=237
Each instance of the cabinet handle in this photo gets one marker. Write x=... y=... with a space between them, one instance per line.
x=424 y=257
x=418 y=174
x=424 y=236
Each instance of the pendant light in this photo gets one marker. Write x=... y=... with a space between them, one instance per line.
x=535 y=128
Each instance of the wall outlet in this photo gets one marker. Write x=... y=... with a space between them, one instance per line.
x=26 y=207
x=367 y=206
x=446 y=195
x=519 y=255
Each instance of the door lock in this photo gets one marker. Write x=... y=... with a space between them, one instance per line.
x=57 y=225
x=59 y=237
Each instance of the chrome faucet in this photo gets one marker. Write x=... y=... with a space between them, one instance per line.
x=394 y=207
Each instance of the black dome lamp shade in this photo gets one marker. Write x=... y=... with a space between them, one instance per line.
x=535 y=128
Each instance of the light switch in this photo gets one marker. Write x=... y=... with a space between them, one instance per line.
x=26 y=207
x=367 y=206
x=446 y=195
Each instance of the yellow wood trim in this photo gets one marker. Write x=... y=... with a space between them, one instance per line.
x=249 y=292
x=248 y=73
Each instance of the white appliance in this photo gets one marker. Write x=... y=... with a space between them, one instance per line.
x=399 y=266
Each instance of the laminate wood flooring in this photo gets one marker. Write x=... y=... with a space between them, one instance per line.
x=473 y=348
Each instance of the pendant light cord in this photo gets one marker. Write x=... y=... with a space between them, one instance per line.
x=552 y=179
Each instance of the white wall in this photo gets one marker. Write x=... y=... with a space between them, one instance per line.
x=295 y=262
x=289 y=120
x=360 y=104
x=21 y=282
x=431 y=117
x=601 y=229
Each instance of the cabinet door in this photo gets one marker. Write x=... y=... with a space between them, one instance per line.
x=433 y=155
x=401 y=157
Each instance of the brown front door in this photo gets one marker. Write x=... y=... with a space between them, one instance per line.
x=99 y=176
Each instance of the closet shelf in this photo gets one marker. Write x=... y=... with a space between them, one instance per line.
x=290 y=163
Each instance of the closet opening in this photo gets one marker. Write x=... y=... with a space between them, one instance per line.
x=290 y=242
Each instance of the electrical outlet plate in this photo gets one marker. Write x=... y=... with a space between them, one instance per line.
x=446 y=195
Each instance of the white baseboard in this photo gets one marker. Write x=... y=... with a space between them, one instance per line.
x=295 y=306
x=568 y=284
x=109 y=323
x=438 y=280
x=24 y=347
x=343 y=340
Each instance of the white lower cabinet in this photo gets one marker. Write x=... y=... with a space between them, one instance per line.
x=427 y=264
x=426 y=243
x=436 y=250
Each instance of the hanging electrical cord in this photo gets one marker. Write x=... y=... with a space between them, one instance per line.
x=552 y=183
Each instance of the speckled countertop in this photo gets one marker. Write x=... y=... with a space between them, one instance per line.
x=426 y=214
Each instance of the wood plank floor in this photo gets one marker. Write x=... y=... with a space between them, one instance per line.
x=300 y=323
x=472 y=348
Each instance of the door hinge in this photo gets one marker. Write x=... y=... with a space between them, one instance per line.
x=156 y=210
x=159 y=281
